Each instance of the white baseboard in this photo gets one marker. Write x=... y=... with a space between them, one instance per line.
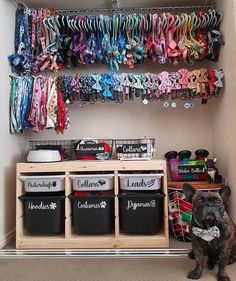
x=6 y=239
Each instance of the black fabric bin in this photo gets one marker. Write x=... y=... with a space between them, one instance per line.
x=44 y=213
x=141 y=212
x=93 y=214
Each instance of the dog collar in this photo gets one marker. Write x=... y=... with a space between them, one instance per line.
x=206 y=234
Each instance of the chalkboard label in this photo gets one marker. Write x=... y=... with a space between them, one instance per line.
x=90 y=148
x=134 y=148
x=188 y=169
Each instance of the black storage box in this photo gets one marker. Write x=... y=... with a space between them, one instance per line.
x=44 y=213
x=93 y=214
x=141 y=212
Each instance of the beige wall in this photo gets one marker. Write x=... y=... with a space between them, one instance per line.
x=12 y=147
x=224 y=129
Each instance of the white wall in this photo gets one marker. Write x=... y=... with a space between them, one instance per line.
x=11 y=146
x=224 y=130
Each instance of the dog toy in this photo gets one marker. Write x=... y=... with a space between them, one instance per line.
x=212 y=171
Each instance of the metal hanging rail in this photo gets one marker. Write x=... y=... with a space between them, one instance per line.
x=105 y=11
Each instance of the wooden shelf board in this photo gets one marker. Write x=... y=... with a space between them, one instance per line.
x=195 y=184
x=142 y=241
x=78 y=165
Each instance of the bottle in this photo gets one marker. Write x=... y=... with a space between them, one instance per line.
x=201 y=154
x=173 y=164
x=184 y=157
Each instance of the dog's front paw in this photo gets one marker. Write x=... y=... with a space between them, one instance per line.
x=210 y=264
x=191 y=255
x=194 y=274
x=223 y=277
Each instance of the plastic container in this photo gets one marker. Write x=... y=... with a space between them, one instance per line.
x=141 y=212
x=44 y=183
x=44 y=214
x=173 y=164
x=43 y=156
x=93 y=214
x=92 y=182
x=140 y=181
x=184 y=157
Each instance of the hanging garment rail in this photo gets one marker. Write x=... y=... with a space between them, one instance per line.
x=51 y=41
x=105 y=11
x=39 y=102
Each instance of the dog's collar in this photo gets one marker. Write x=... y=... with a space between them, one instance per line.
x=206 y=234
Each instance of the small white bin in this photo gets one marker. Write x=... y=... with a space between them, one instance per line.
x=140 y=181
x=92 y=182
x=43 y=183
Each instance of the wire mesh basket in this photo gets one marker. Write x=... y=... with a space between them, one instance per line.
x=180 y=212
x=65 y=147
x=180 y=215
x=129 y=149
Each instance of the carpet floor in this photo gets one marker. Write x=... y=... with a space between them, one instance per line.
x=102 y=269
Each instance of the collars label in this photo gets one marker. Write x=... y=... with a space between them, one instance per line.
x=141 y=183
x=42 y=206
x=134 y=148
x=90 y=183
x=134 y=205
x=44 y=184
x=86 y=205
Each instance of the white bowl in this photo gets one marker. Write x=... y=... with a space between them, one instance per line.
x=44 y=156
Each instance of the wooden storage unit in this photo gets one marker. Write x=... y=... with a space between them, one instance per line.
x=71 y=240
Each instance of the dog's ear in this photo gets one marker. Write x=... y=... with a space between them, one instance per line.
x=189 y=191
x=225 y=193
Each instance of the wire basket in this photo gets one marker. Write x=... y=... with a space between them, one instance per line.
x=129 y=149
x=180 y=215
x=65 y=147
x=93 y=149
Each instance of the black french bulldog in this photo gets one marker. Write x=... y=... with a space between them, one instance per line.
x=212 y=231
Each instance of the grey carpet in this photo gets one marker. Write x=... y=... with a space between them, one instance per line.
x=101 y=269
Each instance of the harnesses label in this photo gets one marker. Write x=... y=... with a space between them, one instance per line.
x=47 y=184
